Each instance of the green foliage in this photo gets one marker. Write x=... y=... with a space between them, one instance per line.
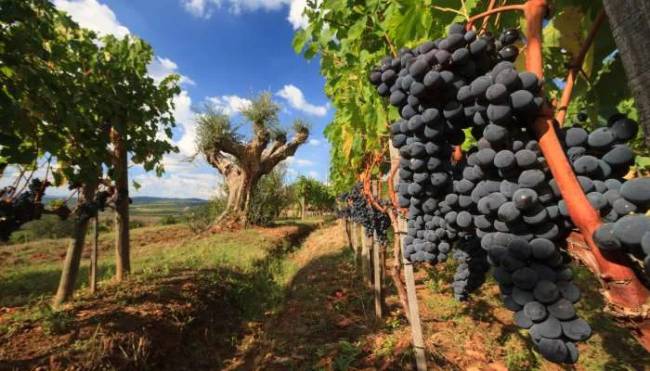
x=316 y=194
x=263 y=111
x=212 y=127
x=201 y=217
x=169 y=220
x=49 y=226
x=351 y=37
x=270 y=196
x=63 y=90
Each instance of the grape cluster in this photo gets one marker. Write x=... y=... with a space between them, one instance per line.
x=429 y=84
x=16 y=211
x=472 y=267
x=358 y=210
x=601 y=158
x=631 y=232
x=502 y=198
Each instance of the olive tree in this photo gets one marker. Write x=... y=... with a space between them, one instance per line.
x=243 y=162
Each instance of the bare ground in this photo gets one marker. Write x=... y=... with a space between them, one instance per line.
x=197 y=320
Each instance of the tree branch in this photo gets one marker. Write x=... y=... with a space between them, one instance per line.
x=260 y=140
x=223 y=163
x=230 y=145
x=269 y=161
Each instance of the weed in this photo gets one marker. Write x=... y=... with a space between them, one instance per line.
x=347 y=354
x=519 y=356
x=387 y=346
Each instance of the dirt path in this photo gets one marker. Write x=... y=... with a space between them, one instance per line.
x=327 y=320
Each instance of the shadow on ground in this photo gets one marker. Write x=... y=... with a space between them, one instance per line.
x=184 y=320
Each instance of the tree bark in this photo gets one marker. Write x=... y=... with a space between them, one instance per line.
x=120 y=168
x=243 y=168
x=630 y=24
x=92 y=278
x=73 y=254
x=304 y=208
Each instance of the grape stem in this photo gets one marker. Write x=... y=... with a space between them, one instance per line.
x=486 y=20
x=575 y=68
x=623 y=288
x=366 y=178
x=489 y=12
x=393 y=214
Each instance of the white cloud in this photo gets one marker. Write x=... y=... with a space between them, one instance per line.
x=198 y=8
x=185 y=118
x=296 y=16
x=93 y=15
x=314 y=142
x=189 y=183
x=229 y=104
x=160 y=68
x=291 y=160
x=313 y=174
x=294 y=96
x=205 y=8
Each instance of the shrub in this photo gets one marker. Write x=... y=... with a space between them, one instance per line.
x=199 y=218
x=49 y=226
x=270 y=196
x=168 y=220
x=135 y=223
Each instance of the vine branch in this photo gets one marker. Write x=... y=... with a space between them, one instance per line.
x=575 y=68
x=486 y=20
x=501 y=9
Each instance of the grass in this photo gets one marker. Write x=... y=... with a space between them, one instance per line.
x=200 y=291
x=33 y=269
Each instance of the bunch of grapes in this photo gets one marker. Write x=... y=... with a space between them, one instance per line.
x=424 y=83
x=472 y=266
x=601 y=158
x=16 y=211
x=503 y=197
x=358 y=210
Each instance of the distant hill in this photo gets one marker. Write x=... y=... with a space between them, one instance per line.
x=144 y=200
x=157 y=200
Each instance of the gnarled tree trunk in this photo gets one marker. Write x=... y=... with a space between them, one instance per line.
x=73 y=254
x=630 y=24
x=242 y=167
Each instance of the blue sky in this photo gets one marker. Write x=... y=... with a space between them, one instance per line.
x=226 y=51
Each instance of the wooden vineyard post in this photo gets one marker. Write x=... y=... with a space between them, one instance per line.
x=356 y=243
x=416 y=325
x=377 y=266
x=346 y=227
x=93 y=256
x=366 y=251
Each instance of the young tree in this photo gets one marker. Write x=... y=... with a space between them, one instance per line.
x=241 y=162
x=137 y=109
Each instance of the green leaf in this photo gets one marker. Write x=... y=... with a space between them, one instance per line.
x=299 y=40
